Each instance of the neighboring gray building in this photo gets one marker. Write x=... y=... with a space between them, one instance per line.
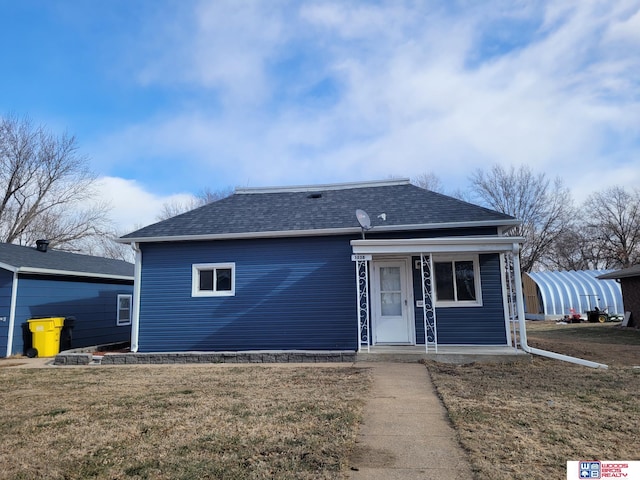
x=43 y=282
x=629 y=279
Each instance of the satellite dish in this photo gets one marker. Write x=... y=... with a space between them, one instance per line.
x=363 y=220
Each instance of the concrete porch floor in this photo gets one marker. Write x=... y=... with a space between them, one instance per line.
x=458 y=354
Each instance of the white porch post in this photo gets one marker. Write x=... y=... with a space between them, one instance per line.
x=517 y=276
x=362 y=289
x=428 y=304
x=510 y=307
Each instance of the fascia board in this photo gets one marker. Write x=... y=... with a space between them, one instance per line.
x=446 y=225
x=68 y=273
x=6 y=266
x=242 y=236
x=437 y=245
x=317 y=232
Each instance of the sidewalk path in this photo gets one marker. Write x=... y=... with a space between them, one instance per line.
x=405 y=433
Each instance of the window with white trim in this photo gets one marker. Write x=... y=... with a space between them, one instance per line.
x=124 y=310
x=213 y=280
x=457 y=282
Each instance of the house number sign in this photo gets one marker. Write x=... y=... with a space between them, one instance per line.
x=360 y=258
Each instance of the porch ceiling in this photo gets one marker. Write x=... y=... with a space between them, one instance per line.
x=437 y=245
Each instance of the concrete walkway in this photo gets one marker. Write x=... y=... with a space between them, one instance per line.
x=405 y=433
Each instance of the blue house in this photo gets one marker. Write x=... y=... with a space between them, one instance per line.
x=42 y=282
x=293 y=269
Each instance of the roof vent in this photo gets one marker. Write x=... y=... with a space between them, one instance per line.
x=42 y=245
x=314 y=195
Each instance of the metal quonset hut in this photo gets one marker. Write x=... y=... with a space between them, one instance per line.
x=551 y=295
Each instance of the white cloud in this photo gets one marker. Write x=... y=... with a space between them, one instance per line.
x=413 y=90
x=132 y=206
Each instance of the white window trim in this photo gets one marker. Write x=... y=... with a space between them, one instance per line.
x=476 y=279
x=119 y=321
x=196 y=268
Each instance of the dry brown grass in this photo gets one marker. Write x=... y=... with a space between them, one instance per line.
x=601 y=342
x=524 y=421
x=179 y=422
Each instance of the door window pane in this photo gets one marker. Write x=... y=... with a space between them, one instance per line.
x=391 y=304
x=390 y=279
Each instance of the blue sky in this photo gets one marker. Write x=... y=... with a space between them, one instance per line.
x=168 y=97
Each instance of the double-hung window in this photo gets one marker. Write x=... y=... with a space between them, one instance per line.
x=213 y=280
x=124 y=310
x=457 y=282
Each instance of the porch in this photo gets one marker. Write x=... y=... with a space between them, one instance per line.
x=457 y=354
x=401 y=317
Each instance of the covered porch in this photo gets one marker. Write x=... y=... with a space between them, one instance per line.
x=446 y=354
x=451 y=298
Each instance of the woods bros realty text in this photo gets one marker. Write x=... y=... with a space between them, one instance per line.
x=603 y=469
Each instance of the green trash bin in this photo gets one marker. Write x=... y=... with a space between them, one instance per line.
x=45 y=336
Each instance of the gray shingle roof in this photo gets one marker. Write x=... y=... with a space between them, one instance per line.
x=633 y=271
x=296 y=209
x=20 y=258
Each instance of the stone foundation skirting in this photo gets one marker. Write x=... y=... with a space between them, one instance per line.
x=204 y=357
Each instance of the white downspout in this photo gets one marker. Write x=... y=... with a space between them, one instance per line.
x=137 y=277
x=523 y=329
x=12 y=313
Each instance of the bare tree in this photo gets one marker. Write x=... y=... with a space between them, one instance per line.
x=545 y=207
x=176 y=207
x=612 y=222
x=574 y=249
x=205 y=196
x=46 y=189
x=428 y=181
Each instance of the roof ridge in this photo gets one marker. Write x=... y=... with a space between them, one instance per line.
x=323 y=187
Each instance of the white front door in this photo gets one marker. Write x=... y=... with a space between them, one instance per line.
x=391 y=313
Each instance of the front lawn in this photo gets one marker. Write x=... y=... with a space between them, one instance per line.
x=179 y=422
x=526 y=420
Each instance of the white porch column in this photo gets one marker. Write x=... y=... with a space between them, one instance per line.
x=362 y=290
x=519 y=296
x=428 y=303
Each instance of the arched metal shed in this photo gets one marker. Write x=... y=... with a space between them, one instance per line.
x=553 y=294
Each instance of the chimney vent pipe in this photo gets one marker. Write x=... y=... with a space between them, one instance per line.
x=42 y=245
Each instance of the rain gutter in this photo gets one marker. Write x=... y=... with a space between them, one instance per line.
x=137 y=277
x=12 y=314
x=523 y=329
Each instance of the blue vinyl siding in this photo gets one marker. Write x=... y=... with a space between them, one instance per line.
x=92 y=303
x=6 y=282
x=469 y=325
x=296 y=293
